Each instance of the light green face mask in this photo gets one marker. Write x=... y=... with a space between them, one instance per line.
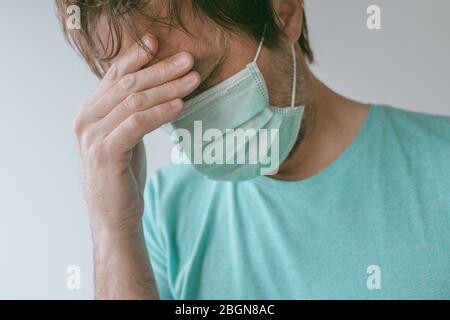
x=232 y=133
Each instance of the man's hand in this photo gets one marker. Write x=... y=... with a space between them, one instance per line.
x=130 y=102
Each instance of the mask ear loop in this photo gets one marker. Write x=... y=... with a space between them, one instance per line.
x=258 y=53
x=294 y=64
x=294 y=81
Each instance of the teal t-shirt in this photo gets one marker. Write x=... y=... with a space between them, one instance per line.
x=373 y=225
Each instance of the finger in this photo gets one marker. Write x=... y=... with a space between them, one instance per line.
x=153 y=76
x=146 y=99
x=130 y=132
x=134 y=59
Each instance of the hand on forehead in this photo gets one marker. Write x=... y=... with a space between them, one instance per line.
x=205 y=42
x=171 y=40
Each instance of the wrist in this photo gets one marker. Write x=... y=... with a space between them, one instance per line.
x=117 y=243
x=116 y=232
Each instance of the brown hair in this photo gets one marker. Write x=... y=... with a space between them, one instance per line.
x=249 y=16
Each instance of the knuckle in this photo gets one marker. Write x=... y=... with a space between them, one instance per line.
x=127 y=81
x=87 y=138
x=136 y=120
x=164 y=68
x=133 y=101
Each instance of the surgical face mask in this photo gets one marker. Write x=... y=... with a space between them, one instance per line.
x=232 y=133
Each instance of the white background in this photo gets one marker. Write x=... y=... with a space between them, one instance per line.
x=43 y=220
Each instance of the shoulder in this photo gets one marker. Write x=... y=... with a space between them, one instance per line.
x=434 y=129
x=421 y=140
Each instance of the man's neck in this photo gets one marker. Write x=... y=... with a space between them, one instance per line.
x=332 y=126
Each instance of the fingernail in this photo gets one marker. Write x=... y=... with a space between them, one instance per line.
x=181 y=60
x=149 y=42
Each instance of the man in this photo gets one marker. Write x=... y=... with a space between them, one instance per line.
x=359 y=207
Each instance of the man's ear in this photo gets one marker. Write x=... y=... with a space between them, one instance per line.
x=290 y=18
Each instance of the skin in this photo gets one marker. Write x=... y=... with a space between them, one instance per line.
x=140 y=93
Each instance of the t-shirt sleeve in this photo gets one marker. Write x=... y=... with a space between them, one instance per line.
x=155 y=241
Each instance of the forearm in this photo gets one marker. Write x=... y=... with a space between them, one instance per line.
x=122 y=266
x=132 y=100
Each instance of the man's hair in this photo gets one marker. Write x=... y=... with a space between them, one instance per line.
x=126 y=16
